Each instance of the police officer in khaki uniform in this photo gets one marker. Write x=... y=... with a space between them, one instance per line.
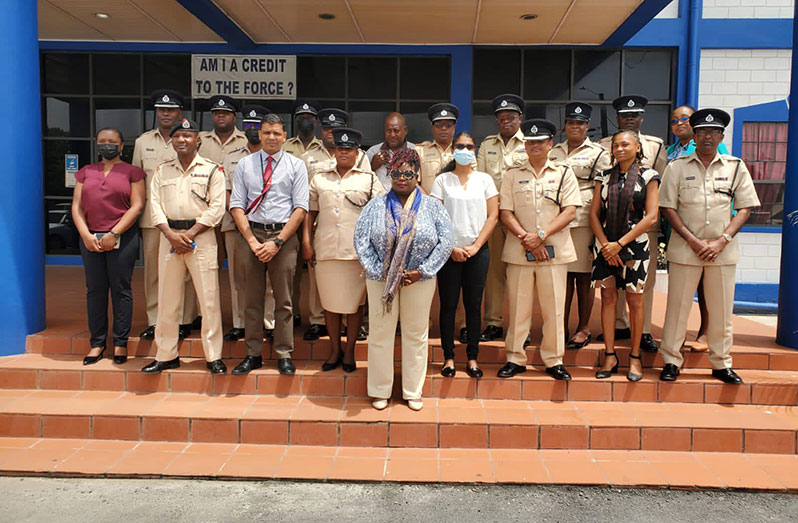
x=630 y=111
x=436 y=154
x=187 y=201
x=586 y=159
x=697 y=196
x=252 y=116
x=538 y=200
x=305 y=116
x=497 y=153
x=151 y=150
x=225 y=137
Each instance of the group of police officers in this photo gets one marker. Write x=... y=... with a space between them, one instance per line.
x=186 y=218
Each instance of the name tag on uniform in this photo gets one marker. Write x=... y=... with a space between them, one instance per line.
x=431 y=153
x=151 y=149
x=689 y=177
x=492 y=152
x=722 y=179
x=523 y=181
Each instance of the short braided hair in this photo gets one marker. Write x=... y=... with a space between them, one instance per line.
x=405 y=156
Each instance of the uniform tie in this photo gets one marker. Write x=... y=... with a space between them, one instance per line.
x=267 y=174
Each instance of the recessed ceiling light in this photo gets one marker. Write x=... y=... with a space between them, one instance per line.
x=104 y=16
x=327 y=16
x=528 y=17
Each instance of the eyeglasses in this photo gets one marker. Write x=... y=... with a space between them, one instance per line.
x=441 y=124
x=407 y=175
x=506 y=119
x=711 y=132
x=461 y=146
x=681 y=119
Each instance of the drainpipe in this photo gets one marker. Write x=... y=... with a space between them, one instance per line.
x=693 y=50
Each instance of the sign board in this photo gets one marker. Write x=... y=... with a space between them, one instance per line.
x=262 y=77
x=70 y=168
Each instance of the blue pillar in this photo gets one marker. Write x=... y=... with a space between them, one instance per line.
x=461 y=84
x=693 y=51
x=21 y=197
x=787 y=329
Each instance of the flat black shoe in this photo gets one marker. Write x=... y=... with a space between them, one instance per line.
x=604 y=374
x=463 y=335
x=632 y=376
x=314 y=332
x=669 y=372
x=511 y=369
x=158 y=366
x=327 y=367
x=91 y=360
x=647 y=343
x=491 y=333
x=120 y=359
x=620 y=334
x=349 y=367
x=559 y=372
x=528 y=341
x=727 y=376
x=363 y=334
x=297 y=320
x=474 y=372
x=234 y=334
x=249 y=364
x=574 y=345
x=184 y=331
x=448 y=372
x=216 y=367
x=286 y=366
x=268 y=334
x=148 y=333
x=197 y=323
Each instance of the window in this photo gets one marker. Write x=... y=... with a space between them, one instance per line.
x=765 y=154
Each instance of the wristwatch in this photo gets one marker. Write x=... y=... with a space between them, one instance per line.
x=115 y=235
x=542 y=234
x=278 y=242
x=726 y=237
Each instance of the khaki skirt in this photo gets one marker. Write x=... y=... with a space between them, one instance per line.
x=342 y=285
x=583 y=244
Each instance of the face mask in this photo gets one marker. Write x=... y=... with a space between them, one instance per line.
x=305 y=125
x=464 y=156
x=109 y=151
x=252 y=135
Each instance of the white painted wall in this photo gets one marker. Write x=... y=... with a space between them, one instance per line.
x=670 y=11
x=748 y=8
x=731 y=78
x=760 y=257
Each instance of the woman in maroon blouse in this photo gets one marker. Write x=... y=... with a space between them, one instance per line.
x=108 y=198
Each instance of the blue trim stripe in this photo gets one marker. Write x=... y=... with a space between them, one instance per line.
x=641 y=16
x=209 y=14
x=745 y=33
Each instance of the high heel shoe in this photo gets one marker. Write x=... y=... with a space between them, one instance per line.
x=326 y=367
x=348 y=367
x=631 y=376
x=91 y=360
x=602 y=374
x=121 y=358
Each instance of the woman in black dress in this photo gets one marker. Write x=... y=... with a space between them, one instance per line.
x=625 y=205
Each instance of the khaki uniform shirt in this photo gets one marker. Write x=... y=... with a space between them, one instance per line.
x=149 y=152
x=433 y=159
x=319 y=159
x=297 y=148
x=703 y=199
x=495 y=157
x=229 y=166
x=212 y=148
x=178 y=195
x=586 y=161
x=339 y=200
x=534 y=199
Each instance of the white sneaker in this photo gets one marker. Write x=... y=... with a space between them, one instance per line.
x=379 y=404
x=415 y=404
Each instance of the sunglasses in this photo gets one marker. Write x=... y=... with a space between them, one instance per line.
x=681 y=119
x=461 y=146
x=407 y=175
x=703 y=131
x=443 y=124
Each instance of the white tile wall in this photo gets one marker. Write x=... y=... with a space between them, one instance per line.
x=760 y=257
x=670 y=11
x=732 y=78
x=748 y=8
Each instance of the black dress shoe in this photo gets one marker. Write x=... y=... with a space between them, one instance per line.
x=669 y=372
x=148 y=333
x=268 y=334
x=474 y=372
x=559 y=372
x=349 y=367
x=620 y=334
x=286 y=366
x=184 y=331
x=528 y=341
x=463 y=335
x=216 y=367
x=121 y=358
x=249 y=364
x=647 y=343
x=363 y=334
x=297 y=320
x=604 y=374
x=314 y=332
x=197 y=323
x=91 y=360
x=448 y=372
x=491 y=333
x=574 y=345
x=158 y=366
x=511 y=369
x=727 y=376
x=327 y=367
x=234 y=334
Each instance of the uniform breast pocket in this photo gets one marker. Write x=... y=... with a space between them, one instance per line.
x=199 y=189
x=723 y=189
x=518 y=159
x=149 y=162
x=168 y=190
x=691 y=192
x=523 y=196
x=551 y=198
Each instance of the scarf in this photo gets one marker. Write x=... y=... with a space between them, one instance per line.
x=400 y=230
x=619 y=201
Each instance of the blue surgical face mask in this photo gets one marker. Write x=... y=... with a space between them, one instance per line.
x=464 y=156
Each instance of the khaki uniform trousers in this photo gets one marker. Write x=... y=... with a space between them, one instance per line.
x=150 y=241
x=621 y=311
x=495 y=282
x=202 y=264
x=238 y=284
x=719 y=293
x=411 y=306
x=280 y=271
x=548 y=281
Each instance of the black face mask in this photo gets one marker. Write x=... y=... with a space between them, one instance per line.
x=109 y=151
x=252 y=135
x=305 y=125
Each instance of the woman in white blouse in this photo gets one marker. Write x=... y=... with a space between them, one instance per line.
x=472 y=201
